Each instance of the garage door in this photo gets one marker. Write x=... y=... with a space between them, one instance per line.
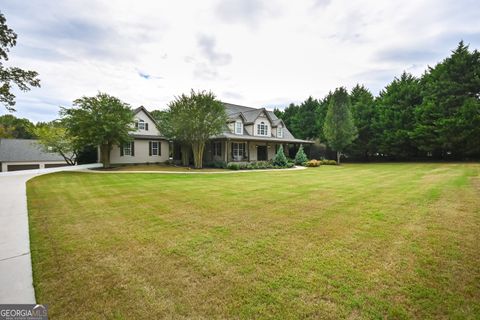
x=54 y=165
x=17 y=167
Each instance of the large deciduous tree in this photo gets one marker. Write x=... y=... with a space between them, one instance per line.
x=102 y=120
x=192 y=119
x=23 y=79
x=13 y=127
x=339 y=128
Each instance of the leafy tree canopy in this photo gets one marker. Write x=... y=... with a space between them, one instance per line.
x=13 y=127
x=102 y=120
x=339 y=128
x=192 y=120
x=23 y=79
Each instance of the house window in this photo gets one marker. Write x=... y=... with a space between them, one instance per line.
x=154 y=148
x=262 y=129
x=127 y=149
x=141 y=125
x=238 y=127
x=217 y=149
x=279 y=132
x=238 y=151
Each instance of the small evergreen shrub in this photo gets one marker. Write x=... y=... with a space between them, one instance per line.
x=300 y=157
x=280 y=159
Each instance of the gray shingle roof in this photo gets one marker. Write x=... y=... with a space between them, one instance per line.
x=25 y=150
x=250 y=115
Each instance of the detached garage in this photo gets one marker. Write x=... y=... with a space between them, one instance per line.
x=24 y=154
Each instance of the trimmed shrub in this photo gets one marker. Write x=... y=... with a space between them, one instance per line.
x=280 y=159
x=233 y=166
x=328 y=162
x=218 y=164
x=300 y=157
x=313 y=163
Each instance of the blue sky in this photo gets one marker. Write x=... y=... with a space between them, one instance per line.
x=252 y=52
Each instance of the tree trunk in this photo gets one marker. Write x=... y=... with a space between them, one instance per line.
x=185 y=150
x=198 y=148
x=338 y=157
x=105 y=155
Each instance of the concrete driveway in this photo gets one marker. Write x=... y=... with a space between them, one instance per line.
x=16 y=284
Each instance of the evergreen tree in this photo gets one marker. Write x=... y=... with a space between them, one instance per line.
x=339 y=129
x=304 y=122
x=396 y=117
x=280 y=159
x=363 y=112
x=300 y=157
x=447 y=120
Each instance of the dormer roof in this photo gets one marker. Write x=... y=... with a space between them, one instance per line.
x=249 y=115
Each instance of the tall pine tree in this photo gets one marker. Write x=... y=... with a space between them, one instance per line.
x=449 y=117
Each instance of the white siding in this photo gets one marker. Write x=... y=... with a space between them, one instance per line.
x=152 y=129
x=141 y=153
x=262 y=118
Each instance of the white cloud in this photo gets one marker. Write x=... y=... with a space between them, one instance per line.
x=249 y=52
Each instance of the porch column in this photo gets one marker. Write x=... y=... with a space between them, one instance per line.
x=226 y=151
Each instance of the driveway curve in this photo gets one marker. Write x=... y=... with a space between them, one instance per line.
x=16 y=282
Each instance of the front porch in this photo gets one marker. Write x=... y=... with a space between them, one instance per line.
x=242 y=151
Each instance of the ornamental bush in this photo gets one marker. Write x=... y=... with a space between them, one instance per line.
x=300 y=157
x=233 y=166
x=313 y=163
x=280 y=159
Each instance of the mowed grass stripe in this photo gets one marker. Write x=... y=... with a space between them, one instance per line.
x=356 y=241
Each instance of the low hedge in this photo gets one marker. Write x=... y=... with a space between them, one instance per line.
x=256 y=165
x=317 y=163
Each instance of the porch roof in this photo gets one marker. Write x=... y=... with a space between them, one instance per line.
x=231 y=136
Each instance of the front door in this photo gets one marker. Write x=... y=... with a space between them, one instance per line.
x=262 y=153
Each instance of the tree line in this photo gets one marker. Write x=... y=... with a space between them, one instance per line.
x=435 y=116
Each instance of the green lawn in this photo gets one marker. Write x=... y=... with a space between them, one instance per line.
x=395 y=241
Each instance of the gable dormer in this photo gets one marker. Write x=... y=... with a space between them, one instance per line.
x=262 y=125
x=144 y=123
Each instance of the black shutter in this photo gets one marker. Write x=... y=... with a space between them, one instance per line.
x=133 y=149
x=136 y=124
x=149 y=148
x=121 y=150
x=159 y=148
x=231 y=147
x=219 y=145
x=146 y=126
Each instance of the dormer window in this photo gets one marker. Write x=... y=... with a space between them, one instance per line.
x=238 y=127
x=262 y=129
x=279 y=132
x=141 y=125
